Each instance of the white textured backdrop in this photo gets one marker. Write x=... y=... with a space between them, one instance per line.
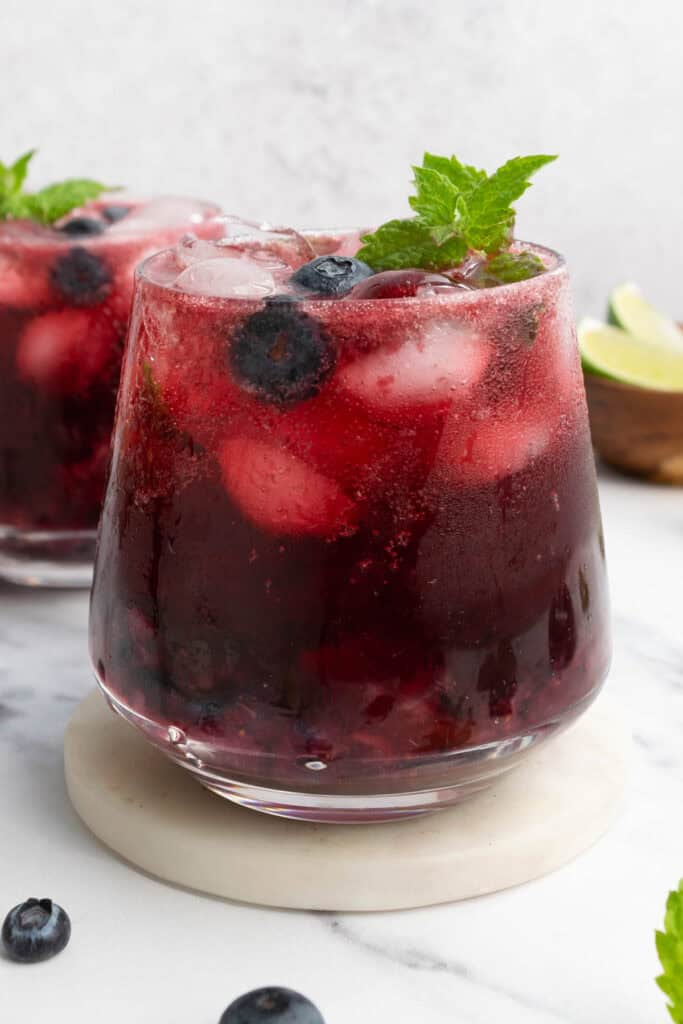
x=311 y=111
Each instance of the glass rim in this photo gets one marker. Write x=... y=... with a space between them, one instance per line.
x=557 y=267
x=50 y=236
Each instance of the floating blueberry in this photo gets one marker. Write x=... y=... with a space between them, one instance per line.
x=274 y=1006
x=35 y=930
x=81 y=278
x=281 y=355
x=79 y=227
x=331 y=275
x=115 y=212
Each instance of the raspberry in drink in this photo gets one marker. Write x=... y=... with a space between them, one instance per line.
x=351 y=563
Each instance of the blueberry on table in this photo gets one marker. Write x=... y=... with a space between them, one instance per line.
x=81 y=277
x=115 y=213
x=80 y=227
x=281 y=355
x=274 y=1006
x=35 y=930
x=331 y=275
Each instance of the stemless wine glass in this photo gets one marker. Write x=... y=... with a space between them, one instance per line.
x=351 y=564
x=65 y=295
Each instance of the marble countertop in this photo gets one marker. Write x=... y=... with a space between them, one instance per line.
x=573 y=947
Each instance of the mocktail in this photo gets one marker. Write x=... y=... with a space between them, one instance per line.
x=351 y=563
x=65 y=293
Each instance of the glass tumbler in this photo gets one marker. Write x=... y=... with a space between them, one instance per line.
x=366 y=592
x=65 y=295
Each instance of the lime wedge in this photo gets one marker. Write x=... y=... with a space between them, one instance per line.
x=610 y=352
x=629 y=310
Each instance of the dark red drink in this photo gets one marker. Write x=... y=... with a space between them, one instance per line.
x=351 y=561
x=65 y=295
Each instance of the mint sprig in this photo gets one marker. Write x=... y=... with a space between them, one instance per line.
x=47 y=205
x=459 y=209
x=670 y=951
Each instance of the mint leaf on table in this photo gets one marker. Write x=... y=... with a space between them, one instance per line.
x=670 y=951
x=48 y=205
x=459 y=209
x=509 y=267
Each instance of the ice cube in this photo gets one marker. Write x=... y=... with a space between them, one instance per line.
x=338 y=243
x=65 y=352
x=430 y=367
x=282 y=493
x=234 y=225
x=261 y=240
x=21 y=284
x=492 y=448
x=227 y=277
x=190 y=250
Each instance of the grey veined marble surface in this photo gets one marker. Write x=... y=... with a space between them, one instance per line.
x=574 y=947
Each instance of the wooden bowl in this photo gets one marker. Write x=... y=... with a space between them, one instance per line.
x=637 y=429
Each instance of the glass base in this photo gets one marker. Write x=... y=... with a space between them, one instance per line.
x=47 y=558
x=375 y=792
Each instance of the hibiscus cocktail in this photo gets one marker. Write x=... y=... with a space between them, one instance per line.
x=65 y=291
x=350 y=563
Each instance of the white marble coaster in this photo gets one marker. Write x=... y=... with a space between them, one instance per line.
x=155 y=815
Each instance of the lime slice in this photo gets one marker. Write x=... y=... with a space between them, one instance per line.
x=610 y=352
x=628 y=309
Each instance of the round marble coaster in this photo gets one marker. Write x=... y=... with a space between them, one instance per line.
x=533 y=820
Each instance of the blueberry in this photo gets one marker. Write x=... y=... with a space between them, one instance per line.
x=81 y=226
x=274 y=1006
x=81 y=278
x=281 y=355
x=35 y=930
x=331 y=275
x=114 y=213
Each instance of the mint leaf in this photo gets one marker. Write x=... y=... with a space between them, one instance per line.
x=55 y=201
x=509 y=266
x=491 y=217
x=13 y=177
x=670 y=951
x=463 y=176
x=19 y=169
x=438 y=200
x=459 y=208
x=401 y=244
x=49 y=204
x=15 y=205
